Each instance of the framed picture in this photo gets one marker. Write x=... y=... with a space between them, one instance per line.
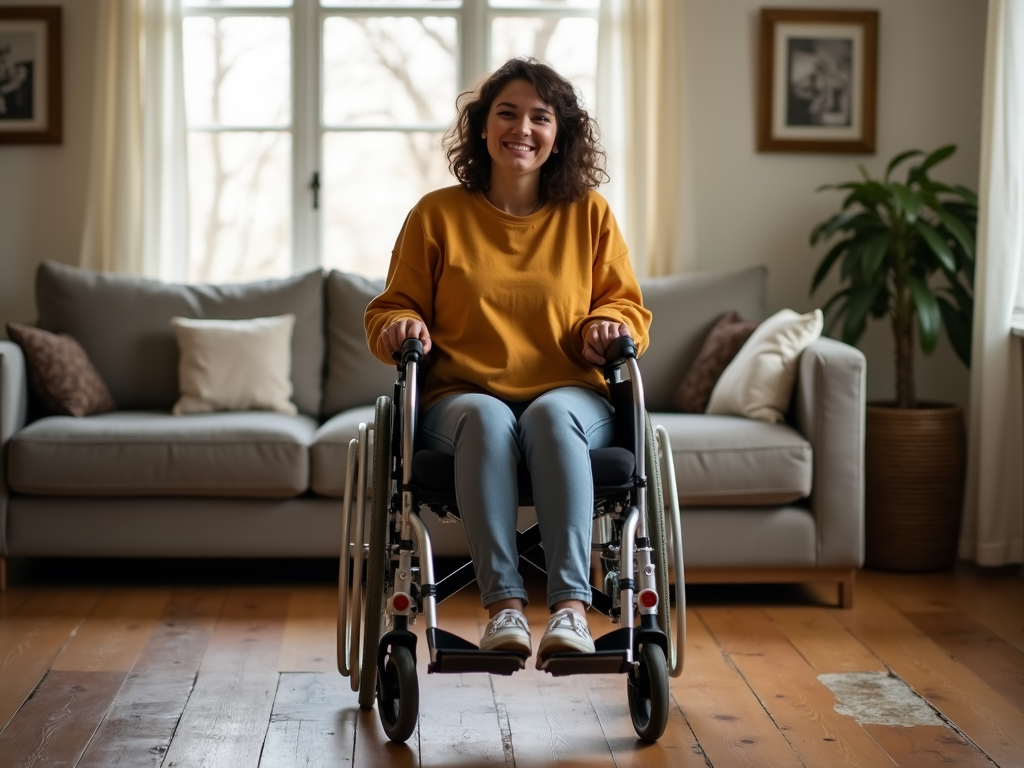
x=818 y=77
x=30 y=75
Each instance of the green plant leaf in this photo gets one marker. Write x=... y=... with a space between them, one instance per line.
x=966 y=194
x=899 y=159
x=936 y=244
x=857 y=308
x=957 y=229
x=935 y=158
x=875 y=249
x=842 y=220
x=832 y=317
x=830 y=258
x=910 y=201
x=958 y=330
x=929 y=319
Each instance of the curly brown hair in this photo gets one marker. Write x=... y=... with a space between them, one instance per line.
x=577 y=167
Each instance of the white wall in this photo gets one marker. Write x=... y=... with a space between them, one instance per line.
x=751 y=208
x=756 y=208
x=42 y=187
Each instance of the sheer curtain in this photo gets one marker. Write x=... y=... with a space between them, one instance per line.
x=993 y=529
x=137 y=214
x=642 y=113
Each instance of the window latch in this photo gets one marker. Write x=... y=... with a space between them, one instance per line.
x=315 y=186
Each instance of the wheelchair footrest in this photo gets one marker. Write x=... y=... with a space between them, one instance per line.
x=453 y=655
x=599 y=663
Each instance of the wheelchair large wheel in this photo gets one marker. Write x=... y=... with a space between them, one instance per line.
x=656 y=531
x=398 y=695
x=378 y=562
x=647 y=689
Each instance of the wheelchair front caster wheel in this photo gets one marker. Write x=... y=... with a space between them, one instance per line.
x=647 y=689
x=398 y=695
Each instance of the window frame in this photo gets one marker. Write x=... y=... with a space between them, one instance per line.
x=474 y=21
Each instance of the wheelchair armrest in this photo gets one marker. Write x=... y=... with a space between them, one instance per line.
x=620 y=350
x=412 y=351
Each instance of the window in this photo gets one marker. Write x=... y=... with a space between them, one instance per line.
x=315 y=125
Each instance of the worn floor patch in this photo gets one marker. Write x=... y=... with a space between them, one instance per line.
x=879 y=698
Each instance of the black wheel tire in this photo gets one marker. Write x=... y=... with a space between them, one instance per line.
x=647 y=690
x=378 y=562
x=657 y=532
x=398 y=695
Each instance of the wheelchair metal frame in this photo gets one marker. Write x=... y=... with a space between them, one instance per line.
x=626 y=550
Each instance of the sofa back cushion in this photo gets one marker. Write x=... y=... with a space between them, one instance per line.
x=124 y=324
x=354 y=376
x=685 y=308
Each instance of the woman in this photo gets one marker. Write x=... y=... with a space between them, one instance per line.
x=516 y=281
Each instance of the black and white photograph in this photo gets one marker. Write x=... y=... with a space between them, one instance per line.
x=30 y=83
x=817 y=81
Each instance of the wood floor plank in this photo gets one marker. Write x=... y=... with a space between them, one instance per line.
x=33 y=637
x=802 y=708
x=991 y=722
x=731 y=726
x=55 y=725
x=374 y=750
x=112 y=637
x=138 y=727
x=313 y=722
x=927 y=746
x=825 y=643
x=310 y=634
x=976 y=647
x=228 y=713
x=11 y=600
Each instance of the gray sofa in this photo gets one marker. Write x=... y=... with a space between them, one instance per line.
x=761 y=502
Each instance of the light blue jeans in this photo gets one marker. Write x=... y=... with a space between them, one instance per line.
x=554 y=434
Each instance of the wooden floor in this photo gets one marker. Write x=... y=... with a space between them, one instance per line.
x=240 y=671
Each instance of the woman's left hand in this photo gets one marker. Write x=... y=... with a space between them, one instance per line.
x=598 y=336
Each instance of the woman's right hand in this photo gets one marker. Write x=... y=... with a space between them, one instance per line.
x=406 y=328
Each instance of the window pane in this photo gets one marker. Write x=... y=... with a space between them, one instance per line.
x=237 y=71
x=390 y=70
x=236 y=3
x=371 y=181
x=569 y=45
x=240 y=205
x=391 y=3
x=557 y=4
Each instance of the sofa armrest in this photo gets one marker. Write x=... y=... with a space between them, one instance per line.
x=829 y=411
x=13 y=412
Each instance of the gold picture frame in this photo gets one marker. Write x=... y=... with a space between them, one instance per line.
x=30 y=75
x=817 y=81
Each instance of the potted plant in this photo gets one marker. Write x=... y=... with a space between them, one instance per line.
x=905 y=252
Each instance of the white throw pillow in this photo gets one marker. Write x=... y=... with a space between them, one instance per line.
x=235 y=365
x=758 y=383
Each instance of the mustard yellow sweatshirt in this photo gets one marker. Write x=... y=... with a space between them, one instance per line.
x=506 y=298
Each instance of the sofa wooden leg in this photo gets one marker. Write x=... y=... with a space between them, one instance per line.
x=846 y=589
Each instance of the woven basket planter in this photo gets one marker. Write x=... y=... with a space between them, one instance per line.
x=915 y=463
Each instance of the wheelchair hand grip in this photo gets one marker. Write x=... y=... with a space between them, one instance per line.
x=412 y=351
x=619 y=350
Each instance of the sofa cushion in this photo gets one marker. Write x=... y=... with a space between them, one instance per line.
x=685 y=308
x=717 y=351
x=234 y=365
x=726 y=461
x=354 y=376
x=63 y=379
x=124 y=325
x=143 y=453
x=328 y=456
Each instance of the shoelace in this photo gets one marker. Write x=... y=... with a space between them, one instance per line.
x=576 y=623
x=505 y=618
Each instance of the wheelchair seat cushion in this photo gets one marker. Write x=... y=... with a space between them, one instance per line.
x=435 y=471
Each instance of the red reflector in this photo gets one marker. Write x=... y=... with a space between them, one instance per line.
x=648 y=598
x=401 y=602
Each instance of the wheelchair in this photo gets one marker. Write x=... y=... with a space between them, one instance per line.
x=386 y=575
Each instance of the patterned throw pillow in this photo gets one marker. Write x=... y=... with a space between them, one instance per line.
x=718 y=350
x=63 y=379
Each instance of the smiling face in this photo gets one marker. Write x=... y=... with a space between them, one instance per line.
x=520 y=130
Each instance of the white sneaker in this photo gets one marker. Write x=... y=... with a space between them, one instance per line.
x=567 y=631
x=507 y=631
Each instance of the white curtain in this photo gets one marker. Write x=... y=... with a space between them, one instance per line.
x=993 y=529
x=642 y=114
x=137 y=211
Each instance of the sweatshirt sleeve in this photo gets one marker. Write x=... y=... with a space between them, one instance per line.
x=409 y=291
x=615 y=292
